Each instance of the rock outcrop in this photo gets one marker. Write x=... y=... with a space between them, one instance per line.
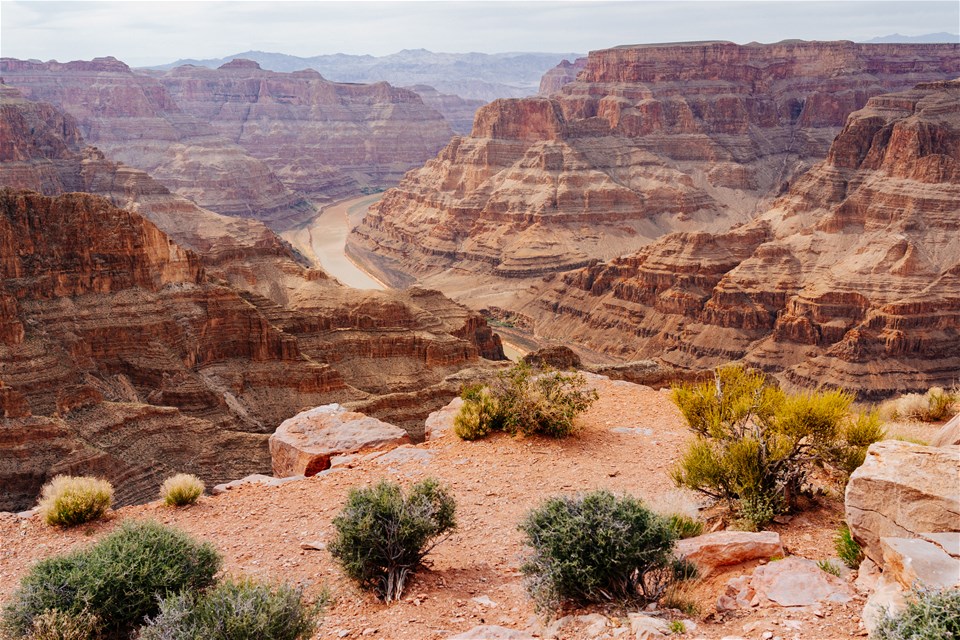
x=903 y=490
x=724 y=548
x=304 y=444
x=851 y=279
x=647 y=140
x=324 y=139
x=560 y=76
x=791 y=582
x=134 y=119
x=120 y=356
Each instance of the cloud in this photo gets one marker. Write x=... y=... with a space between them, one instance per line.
x=142 y=33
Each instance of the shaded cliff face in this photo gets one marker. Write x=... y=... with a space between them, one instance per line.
x=647 y=140
x=851 y=279
x=120 y=356
x=324 y=139
x=135 y=120
x=459 y=112
x=560 y=76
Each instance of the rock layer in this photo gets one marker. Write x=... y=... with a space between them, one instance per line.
x=646 y=140
x=851 y=279
x=324 y=139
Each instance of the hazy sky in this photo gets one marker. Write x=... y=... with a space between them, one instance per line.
x=143 y=33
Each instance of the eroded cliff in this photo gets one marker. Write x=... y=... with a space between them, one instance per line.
x=647 y=140
x=851 y=279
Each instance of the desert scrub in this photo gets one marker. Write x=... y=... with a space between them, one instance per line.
x=596 y=548
x=56 y=625
x=523 y=401
x=930 y=615
x=848 y=549
x=67 y=501
x=935 y=405
x=382 y=534
x=181 y=490
x=684 y=526
x=119 y=580
x=235 y=610
x=756 y=445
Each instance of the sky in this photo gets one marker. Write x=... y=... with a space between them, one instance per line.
x=145 y=33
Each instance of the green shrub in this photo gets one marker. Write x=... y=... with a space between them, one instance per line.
x=234 y=610
x=828 y=567
x=756 y=444
x=479 y=415
x=684 y=526
x=67 y=501
x=525 y=402
x=930 y=615
x=56 y=625
x=847 y=548
x=597 y=547
x=935 y=405
x=383 y=535
x=181 y=490
x=119 y=580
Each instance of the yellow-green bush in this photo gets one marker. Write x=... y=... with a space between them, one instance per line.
x=756 y=445
x=525 y=402
x=181 y=489
x=59 y=625
x=935 y=405
x=67 y=501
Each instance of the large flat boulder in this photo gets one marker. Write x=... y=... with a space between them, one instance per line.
x=903 y=490
x=792 y=582
x=724 y=548
x=304 y=444
x=912 y=561
x=440 y=422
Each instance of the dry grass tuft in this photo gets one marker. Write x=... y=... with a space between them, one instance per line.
x=67 y=501
x=181 y=490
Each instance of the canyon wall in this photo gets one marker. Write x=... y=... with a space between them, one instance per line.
x=324 y=139
x=851 y=279
x=647 y=140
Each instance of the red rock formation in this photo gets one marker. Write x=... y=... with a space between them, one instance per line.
x=459 y=112
x=116 y=346
x=560 y=76
x=852 y=279
x=647 y=140
x=134 y=119
x=325 y=139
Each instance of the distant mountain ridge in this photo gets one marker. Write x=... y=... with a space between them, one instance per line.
x=942 y=36
x=479 y=76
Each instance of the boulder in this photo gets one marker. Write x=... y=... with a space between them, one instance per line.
x=911 y=561
x=255 y=478
x=949 y=434
x=559 y=357
x=644 y=627
x=440 y=422
x=304 y=444
x=791 y=582
x=724 y=548
x=901 y=491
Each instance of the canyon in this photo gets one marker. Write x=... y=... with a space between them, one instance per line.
x=239 y=140
x=851 y=279
x=645 y=141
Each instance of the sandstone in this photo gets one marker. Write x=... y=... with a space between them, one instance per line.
x=791 y=582
x=646 y=140
x=949 y=434
x=644 y=627
x=439 y=423
x=304 y=444
x=723 y=548
x=491 y=632
x=915 y=562
x=765 y=294
x=559 y=357
x=887 y=599
x=903 y=490
x=254 y=478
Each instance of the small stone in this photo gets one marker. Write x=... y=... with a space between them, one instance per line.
x=313 y=545
x=343 y=633
x=484 y=601
x=766 y=635
x=369 y=631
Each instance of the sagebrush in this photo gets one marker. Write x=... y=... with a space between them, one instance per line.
x=935 y=405
x=181 y=490
x=596 y=548
x=235 y=610
x=119 y=581
x=525 y=401
x=756 y=445
x=67 y=501
x=929 y=615
x=383 y=534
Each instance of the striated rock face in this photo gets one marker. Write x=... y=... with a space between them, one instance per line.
x=119 y=356
x=560 y=76
x=324 y=139
x=134 y=119
x=851 y=279
x=457 y=111
x=647 y=140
